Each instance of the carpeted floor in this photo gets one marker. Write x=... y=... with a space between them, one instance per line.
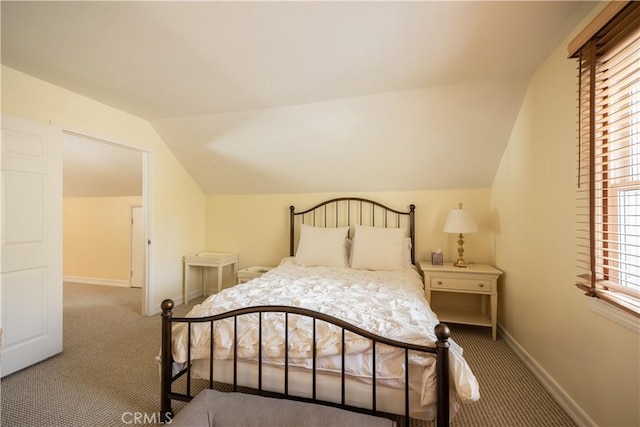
x=107 y=375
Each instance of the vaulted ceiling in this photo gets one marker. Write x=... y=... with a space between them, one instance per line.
x=273 y=97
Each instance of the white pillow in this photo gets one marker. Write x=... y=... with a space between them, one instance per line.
x=406 y=252
x=320 y=246
x=378 y=248
x=406 y=255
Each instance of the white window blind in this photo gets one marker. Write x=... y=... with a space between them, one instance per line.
x=608 y=192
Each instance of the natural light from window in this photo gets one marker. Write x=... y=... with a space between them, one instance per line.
x=629 y=204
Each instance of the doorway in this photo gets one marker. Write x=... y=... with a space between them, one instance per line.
x=104 y=186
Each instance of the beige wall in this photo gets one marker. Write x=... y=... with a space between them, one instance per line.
x=97 y=237
x=176 y=203
x=593 y=359
x=256 y=226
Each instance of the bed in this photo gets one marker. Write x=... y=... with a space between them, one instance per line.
x=352 y=303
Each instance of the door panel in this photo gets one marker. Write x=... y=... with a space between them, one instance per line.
x=23 y=210
x=26 y=292
x=31 y=251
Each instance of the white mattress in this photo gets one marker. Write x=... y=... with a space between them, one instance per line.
x=328 y=387
x=387 y=303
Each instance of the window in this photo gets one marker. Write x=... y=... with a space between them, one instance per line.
x=608 y=191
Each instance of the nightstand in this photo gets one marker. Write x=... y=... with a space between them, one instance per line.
x=479 y=279
x=249 y=273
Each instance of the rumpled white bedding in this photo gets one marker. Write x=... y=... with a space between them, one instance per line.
x=387 y=303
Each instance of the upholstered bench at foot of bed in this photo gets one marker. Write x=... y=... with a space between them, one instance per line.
x=212 y=408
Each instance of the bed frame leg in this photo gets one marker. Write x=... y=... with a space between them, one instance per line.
x=442 y=373
x=166 y=413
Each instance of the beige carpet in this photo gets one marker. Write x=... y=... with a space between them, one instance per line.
x=107 y=374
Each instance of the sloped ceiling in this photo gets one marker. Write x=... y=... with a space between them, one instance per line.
x=93 y=168
x=275 y=97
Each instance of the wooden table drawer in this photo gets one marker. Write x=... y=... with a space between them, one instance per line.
x=454 y=283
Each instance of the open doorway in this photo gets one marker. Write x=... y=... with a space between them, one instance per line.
x=103 y=189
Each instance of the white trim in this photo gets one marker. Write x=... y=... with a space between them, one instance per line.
x=557 y=392
x=613 y=313
x=96 y=281
x=147 y=289
x=131 y=245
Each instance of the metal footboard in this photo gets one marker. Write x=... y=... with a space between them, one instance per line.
x=441 y=351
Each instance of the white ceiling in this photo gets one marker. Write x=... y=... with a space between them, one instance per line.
x=271 y=97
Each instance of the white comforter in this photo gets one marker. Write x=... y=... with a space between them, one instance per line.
x=387 y=303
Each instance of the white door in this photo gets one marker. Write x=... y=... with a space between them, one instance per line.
x=137 y=247
x=31 y=250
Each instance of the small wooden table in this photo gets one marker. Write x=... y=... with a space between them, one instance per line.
x=217 y=260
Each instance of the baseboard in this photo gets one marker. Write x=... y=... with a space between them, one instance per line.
x=96 y=281
x=557 y=392
x=157 y=308
x=179 y=300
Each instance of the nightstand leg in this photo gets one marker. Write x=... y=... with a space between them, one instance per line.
x=204 y=272
x=234 y=269
x=494 y=315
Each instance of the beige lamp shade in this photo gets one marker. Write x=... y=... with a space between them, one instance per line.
x=460 y=222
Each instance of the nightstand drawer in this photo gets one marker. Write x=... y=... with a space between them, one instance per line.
x=457 y=284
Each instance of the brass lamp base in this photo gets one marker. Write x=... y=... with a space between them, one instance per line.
x=460 y=262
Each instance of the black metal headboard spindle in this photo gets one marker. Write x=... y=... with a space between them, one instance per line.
x=364 y=206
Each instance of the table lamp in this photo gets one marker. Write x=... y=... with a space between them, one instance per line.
x=460 y=222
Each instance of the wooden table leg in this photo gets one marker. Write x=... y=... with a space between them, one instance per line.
x=185 y=283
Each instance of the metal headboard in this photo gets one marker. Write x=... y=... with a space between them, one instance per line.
x=347 y=211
